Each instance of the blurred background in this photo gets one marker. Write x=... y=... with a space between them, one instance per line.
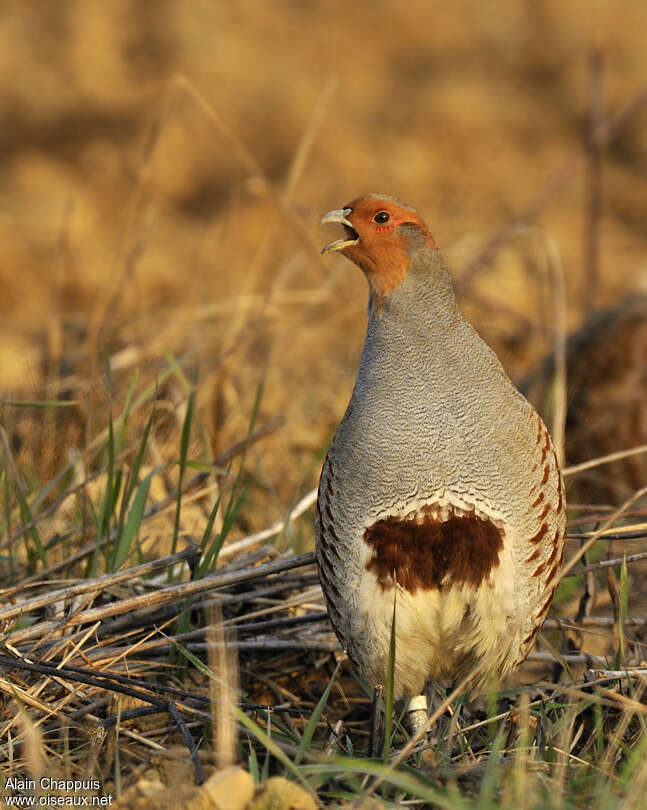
x=164 y=167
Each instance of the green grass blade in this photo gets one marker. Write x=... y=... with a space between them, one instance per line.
x=236 y=497
x=125 y=413
x=388 y=695
x=252 y=764
x=27 y=517
x=491 y=781
x=26 y=514
x=311 y=726
x=39 y=403
x=176 y=369
x=270 y=746
x=249 y=724
x=184 y=449
x=105 y=356
x=106 y=510
x=133 y=477
x=208 y=529
x=98 y=442
x=133 y=522
x=211 y=557
x=4 y=486
x=402 y=778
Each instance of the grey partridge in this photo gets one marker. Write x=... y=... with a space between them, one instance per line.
x=441 y=485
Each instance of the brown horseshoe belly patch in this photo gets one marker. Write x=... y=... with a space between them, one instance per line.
x=428 y=552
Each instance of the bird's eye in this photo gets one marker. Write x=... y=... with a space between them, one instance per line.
x=381 y=217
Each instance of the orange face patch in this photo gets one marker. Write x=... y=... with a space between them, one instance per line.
x=461 y=550
x=382 y=251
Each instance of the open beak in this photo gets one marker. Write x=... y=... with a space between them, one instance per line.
x=341 y=216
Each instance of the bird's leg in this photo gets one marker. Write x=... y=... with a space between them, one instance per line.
x=417 y=713
x=376 y=737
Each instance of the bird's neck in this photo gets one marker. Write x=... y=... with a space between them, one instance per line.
x=425 y=297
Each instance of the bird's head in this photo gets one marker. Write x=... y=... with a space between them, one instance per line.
x=382 y=236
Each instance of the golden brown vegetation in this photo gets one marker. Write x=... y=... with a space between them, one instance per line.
x=137 y=148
